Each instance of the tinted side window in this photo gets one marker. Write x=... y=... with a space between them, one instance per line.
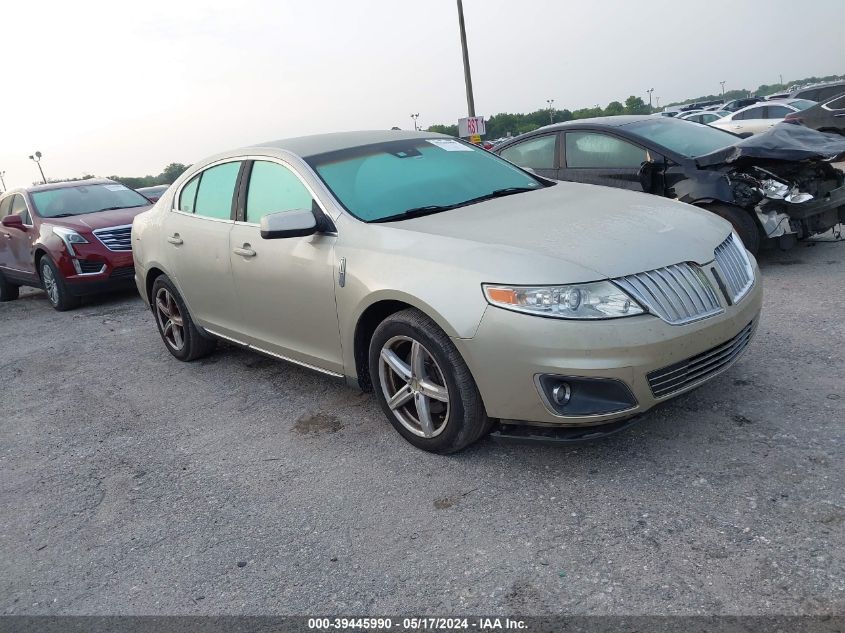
x=5 y=206
x=274 y=188
x=188 y=197
x=777 y=112
x=590 y=149
x=752 y=113
x=537 y=153
x=827 y=93
x=216 y=190
x=19 y=208
x=836 y=104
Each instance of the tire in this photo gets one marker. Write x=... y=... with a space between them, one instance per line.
x=8 y=290
x=743 y=224
x=439 y=372
x=55 y=286
x=180 y=335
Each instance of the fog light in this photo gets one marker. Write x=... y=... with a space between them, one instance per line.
x=562 y=393
x=584 y=395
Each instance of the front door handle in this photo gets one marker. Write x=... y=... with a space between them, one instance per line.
x=245 y=251
x=175 y=239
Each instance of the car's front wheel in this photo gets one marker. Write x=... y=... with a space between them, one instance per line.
x=55 y=286
x=424 y=386
x=743 y=224
x=181 y=336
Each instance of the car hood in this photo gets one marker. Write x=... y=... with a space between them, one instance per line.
x=608 y=231
x=785 y=141
x=100 y=220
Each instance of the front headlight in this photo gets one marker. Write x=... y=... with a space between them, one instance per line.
x=69 y=237
x=598 y=300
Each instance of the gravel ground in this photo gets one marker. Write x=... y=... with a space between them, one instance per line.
x=132 y=483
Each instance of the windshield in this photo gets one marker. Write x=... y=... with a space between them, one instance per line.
x=81 y=199
x=682 y=137
x=377 y=182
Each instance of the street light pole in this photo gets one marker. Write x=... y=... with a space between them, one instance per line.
x=551 y=102
x=3 y=182
x=649 y=91
x=37 y=159
x=723 y=87
x=467 y=74
x=657 y=99
x=414 y=117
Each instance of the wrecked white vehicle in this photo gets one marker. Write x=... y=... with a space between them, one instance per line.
x=776 y=187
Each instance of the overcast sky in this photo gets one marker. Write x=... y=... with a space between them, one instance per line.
x=128 y=87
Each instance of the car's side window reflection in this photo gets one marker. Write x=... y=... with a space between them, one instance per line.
x=188 y=197
x=594 y=150
x=216 y=190
x=273 y=188
x=536 y=153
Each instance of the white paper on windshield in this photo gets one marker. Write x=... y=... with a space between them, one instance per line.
x=115 y=187
x=449 y=145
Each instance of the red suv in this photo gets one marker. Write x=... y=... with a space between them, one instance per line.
x=70 y=238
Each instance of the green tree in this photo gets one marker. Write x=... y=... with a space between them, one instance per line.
x=635 y=105
x=614 y=108
x=171 y=173
x=451 y=130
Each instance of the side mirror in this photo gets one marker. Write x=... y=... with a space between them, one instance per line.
x=296 y=223
x=13 y=222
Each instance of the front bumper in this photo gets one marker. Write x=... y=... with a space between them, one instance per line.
x=92 y=268
x=510 y=350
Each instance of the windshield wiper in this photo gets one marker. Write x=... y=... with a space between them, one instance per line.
x=63 y=215
x=417 y=212
x=134 y=206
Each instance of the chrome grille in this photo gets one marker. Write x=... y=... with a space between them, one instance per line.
x=735 y=266
x=697 y=369
x=116 y=238
x=677 y=294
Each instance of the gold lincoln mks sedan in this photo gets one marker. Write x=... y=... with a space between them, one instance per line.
x=467 y=293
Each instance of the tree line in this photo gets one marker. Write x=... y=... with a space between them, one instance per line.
x=503 y=124
x=167 y=176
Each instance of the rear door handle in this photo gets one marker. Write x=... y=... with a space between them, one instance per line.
x=175 y=239
x=245 y=251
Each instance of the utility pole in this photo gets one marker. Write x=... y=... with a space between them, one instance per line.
x=415 y=117
x=723 y=87
x=467 y=75
x=781 y=79
x=551 y=103
x=37 y=159
x=649 y=91
x=2 y=182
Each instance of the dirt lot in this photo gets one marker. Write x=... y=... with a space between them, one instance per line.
x=132 y=483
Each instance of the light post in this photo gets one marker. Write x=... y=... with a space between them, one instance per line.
x=781 y=79
x=467 y=74
x=37 y=159
x=649 y=91
x=415 y=117
x=2 y=182
x=657 y=99
x=551 y=103
x=723 y=87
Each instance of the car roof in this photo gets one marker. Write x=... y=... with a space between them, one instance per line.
x=313 y=145
x=604 y=121
x=65 y=184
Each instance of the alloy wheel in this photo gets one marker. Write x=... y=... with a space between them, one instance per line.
x=414 y=386
x=170 y=319
x=51 y=286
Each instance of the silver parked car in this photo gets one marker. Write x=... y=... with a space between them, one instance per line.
x=465 y=291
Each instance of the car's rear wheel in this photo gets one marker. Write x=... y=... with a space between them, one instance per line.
x=743 y=224
x=8 y=290
x=181 y=336
x=424 y=386
x=55 y=286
